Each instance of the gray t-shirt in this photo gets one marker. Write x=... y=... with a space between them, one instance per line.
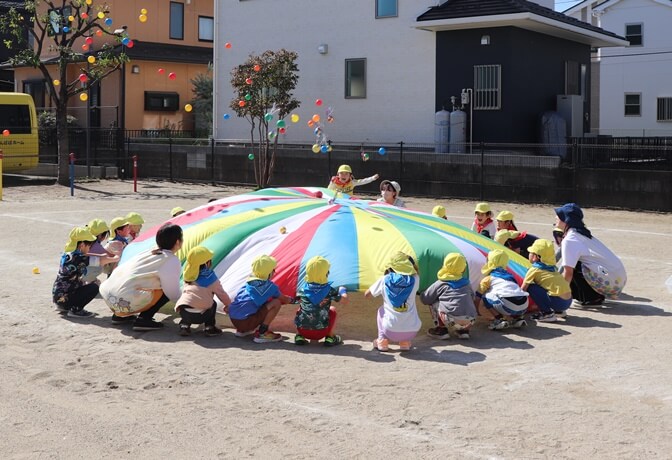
x=455 y=302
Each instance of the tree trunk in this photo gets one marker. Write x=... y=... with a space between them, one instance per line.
x=63 y=145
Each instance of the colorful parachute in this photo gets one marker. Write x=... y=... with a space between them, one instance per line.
x=295 y=224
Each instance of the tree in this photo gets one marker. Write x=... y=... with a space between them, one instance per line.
x=202 y=101
x=263 y=86
x=59 y=26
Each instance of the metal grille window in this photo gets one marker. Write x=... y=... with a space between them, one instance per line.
x=487 y=87
x=633 y=34
x=664 y=109
x=633 y=105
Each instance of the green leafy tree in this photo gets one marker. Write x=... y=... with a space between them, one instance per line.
x=57 y=27
x=202 y=101
x=263 y=87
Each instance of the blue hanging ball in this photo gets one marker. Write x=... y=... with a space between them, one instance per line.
x=324 y=149
x=227 y=116
x=382 y=151
x=125 y=41
x=108 y=21
x=66 y=29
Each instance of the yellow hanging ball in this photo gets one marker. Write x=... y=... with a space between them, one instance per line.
x=101 y=15
x=142 y=18
x=91 y=59
x=143 y=11
x=89 y=2
x=188 y=108
x=295 y=118
x=83 y=97
x=57 y=82
x=36 y=270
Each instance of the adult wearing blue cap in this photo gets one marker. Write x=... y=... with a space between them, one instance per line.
x=593 y=271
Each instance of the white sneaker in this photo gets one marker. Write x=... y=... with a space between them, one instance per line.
x=499 y=324
x=548 y=318
x=243 y=333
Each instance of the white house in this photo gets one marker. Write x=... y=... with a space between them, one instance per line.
x=377 y=64
x=635 y=81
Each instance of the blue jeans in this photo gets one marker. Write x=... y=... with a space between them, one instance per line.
x=547 y=303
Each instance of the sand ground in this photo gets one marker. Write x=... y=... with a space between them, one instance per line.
x=596 y=385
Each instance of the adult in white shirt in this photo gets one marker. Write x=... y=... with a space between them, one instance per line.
x=593 y=271
x=146 y=282
x=389 y=193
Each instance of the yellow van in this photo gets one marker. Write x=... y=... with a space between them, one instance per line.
x=18 y=132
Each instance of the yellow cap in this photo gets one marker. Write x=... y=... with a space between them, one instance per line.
x=502 y=236
x=195 y=258
x=176 y=211
x=496 y=259
x=116 y=223
x=544 y=249
x=345 y=168
x=97 y=226
x=482 y=207
x=401 y=264
x=317 y=270
x=505 y=215
x=454 y=265
x=78 y=234
x=262 y=267
x=439 y=211
x=134 y=218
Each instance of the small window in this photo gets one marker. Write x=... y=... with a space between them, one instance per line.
x=633 y=105
x=664 y=109
x=487 y=87
x=206 y=29
x=633 y=34
x=162 y=102
x=355 y=78
x=387 y=9
x=177 y=21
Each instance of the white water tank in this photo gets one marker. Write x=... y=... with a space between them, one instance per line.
x=441 y=131
x=458 y=131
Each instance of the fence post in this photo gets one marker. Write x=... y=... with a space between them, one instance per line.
x=135 y=173
x=212 y=158
x=127 y=152
x=0 y=174
x=576 y=160
x=72 y=174
x=329 y=164
x=170 y=155
x=401 y=160
x=482 y=187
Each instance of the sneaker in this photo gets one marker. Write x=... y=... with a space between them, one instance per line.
x=593 y=303
x=462 y=334
x=405 y=346
x=518 y=323
x=381 y=344
x=300 y=340
x=332 y=340
x=561 y=314
x=547 y=318
x=243 y=333
x=116 y=320
x=79 y=314
x=438 y=332
x=185 y=330
x=268 y=336
x=499 y=324
x=212 y=331
x=143 y=324
x=60 y=309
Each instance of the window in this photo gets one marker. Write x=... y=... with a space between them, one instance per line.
x=387 y=8
x=664 y=109
x=206 y=29
x=37 y=89
x=58 y=18
x=355 y=78
x=15 y=118
x=162 y=102
x=177 y=21
x=633 y=34
x=633 y=105
x=487 y=87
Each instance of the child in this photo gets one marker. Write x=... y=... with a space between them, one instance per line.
x=389 y=193
x=100 y=230
x=505 y=221
x=546 y=285
x=70 y=293
x=258 y=303
x=196 y=304
x=516 y=241
x=344 y=182
x=135 y=221
x=316 y=318
x=119 y=233
x=483 y=223
x=176 y=211
x=451 y=300
x=398 y=318
x=500 y=294
x=146 y=282
x=439 y=211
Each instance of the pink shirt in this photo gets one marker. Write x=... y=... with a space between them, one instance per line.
x=201 y=298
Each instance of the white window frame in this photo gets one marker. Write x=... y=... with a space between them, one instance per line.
x=396 y=10
x=202 y=20
x=626 y=105
x=487 y=87
x=664 y=109
x=641 y=33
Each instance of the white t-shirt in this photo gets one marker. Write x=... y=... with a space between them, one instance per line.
x=130 y=288
x=601 y=268
x=398 y=320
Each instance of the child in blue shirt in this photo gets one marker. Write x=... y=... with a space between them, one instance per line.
x=258 y=303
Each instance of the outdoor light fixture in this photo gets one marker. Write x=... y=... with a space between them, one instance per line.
x=135 y=68
x=485 y=40
x=323 y=48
